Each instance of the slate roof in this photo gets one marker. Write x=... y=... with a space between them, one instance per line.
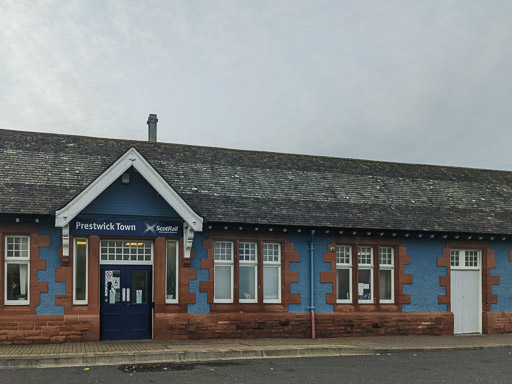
x=40 y=173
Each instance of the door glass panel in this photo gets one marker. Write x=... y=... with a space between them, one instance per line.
x=112 y=286
x=139 y=287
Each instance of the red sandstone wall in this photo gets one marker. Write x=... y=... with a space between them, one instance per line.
x=497 y=322
x=48 y=329
x=258 y=325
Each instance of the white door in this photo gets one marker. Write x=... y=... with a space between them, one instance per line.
x=466 y=296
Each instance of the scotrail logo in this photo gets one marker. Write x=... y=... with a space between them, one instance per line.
x=170 y=229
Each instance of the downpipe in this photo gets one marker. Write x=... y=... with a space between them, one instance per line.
x=312 y=283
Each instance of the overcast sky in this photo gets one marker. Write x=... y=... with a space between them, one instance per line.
x=408 y=81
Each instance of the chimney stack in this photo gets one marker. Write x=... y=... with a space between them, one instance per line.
x=152 y=120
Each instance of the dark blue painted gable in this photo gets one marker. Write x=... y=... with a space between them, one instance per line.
x=138 y=198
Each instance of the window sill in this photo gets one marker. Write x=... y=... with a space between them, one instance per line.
x=366 y=307
x=17 y=303
x=248 y=308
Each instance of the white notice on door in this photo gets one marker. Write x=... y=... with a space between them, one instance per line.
x=139 y=296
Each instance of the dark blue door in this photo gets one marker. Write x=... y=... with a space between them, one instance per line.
x=125 y=302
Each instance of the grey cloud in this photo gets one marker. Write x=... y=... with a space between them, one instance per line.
x=424 y=82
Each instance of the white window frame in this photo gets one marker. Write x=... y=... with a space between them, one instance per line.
x=348 y=266
x=249 y=263
x=388 y=267
x=463 y=258
x=75 y=301
x=273 y=264
x=366 y=266
x=175 y=300
x=223 y=263
x=127 y=262
x=16 y=260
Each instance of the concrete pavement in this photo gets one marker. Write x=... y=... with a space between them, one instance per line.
x=150 y=351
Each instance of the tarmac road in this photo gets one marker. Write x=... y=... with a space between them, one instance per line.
x=467 y=366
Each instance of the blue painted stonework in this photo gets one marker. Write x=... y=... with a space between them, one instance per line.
x=47 y=304
x=301 y=245
x=201 y=305
x=138 y=198
x=425 y=288
x=504 y=266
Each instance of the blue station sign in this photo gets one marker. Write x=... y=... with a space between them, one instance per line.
x=126 y=228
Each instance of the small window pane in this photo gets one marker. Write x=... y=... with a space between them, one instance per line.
x=247 y=251
x=223 y=251
x=471 y=259
x=343 y=284
x=271 y=283
x=343 y=253
x=385 y=284
x=17 y=281
x=125 y=250
x=271 y=253
x=223 y=282
x=365 y=284
x=171 y=271
x=17 y=247
x=247 y=283
x=386 y=256
x=454 y=258
x=365 y=255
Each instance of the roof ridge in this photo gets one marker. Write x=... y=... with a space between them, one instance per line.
x=263 y=152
